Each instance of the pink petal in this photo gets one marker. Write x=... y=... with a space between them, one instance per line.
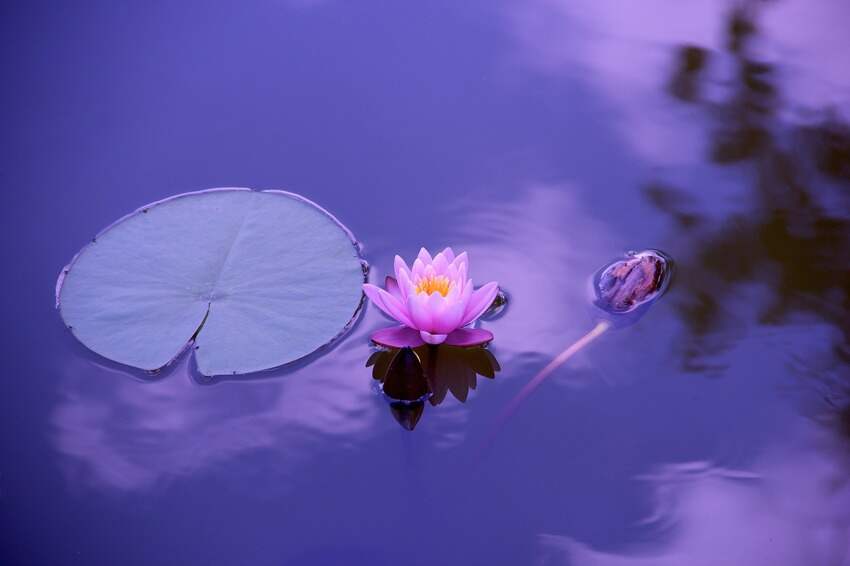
x=406 y=287
x=435 y=302
x=480 y=301
x=441 y=266
x=418 y=270
x=433 y=339
x=454 y=292
x=397 y=337
x=447 y=316
x=400 y=266
x=449 y=253
x=391 y=286
x=387 y=303
x=462 y=260
x=466 y=294
x=451 y=273
x=462 y=271
x=424 y=256
x=466 y=337
x=420 y=313
x=404 y=337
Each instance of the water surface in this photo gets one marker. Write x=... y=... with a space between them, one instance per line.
x=544 y=137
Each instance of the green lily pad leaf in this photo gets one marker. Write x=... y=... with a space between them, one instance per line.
x=258 y=279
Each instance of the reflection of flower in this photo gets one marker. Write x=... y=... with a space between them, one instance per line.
x=409 y=376
x=435 y=299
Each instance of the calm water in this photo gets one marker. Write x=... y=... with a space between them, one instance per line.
x=545 y=138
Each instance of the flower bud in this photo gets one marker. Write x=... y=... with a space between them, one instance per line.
x=628 y=284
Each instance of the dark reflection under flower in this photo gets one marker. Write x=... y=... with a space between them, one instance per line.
x=411 y=376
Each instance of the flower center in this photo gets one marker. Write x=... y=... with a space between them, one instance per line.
x=434 y=284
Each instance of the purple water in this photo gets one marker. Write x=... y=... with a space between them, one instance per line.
x=545 y=138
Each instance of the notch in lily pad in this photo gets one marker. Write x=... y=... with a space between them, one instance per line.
x=253 y=279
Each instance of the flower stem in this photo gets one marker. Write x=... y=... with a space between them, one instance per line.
x=541 y=376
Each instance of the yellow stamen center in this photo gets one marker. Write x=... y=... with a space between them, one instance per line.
x=434 y=284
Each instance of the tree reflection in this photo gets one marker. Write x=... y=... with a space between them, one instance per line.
x=411 y=376
x=788 y=241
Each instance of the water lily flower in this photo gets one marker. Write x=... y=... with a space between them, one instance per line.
x=435 y=302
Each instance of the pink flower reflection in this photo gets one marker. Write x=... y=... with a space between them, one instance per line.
x=435 y=299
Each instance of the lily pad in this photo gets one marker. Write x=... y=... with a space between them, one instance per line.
x=255 y=279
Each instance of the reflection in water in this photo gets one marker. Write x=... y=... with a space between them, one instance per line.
x=623 y=291
x=623 y=52
x=762 y=93
x=118 y=433
x=550 y=167
x=792 y=240
x=792 y=510
x=542 y=247
x=409 y=377
x=685 y=84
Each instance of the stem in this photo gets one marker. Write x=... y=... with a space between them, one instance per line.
x=558 y=361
